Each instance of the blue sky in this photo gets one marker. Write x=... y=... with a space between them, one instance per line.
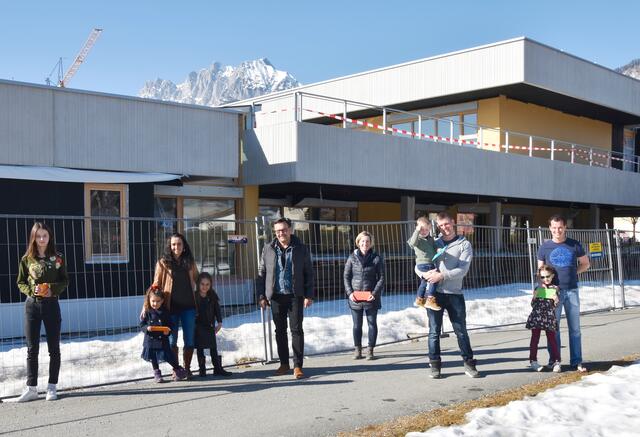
x=313 y=40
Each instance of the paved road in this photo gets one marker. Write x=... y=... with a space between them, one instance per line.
x=340 y=394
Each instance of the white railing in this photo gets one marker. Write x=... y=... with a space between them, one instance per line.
x=308 y=107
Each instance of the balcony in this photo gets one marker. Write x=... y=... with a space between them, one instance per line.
x=292 y=141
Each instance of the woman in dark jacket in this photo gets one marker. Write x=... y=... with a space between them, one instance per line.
x=364 y=271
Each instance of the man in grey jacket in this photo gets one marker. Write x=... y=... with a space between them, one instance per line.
x=285 y=282
x=453 y=265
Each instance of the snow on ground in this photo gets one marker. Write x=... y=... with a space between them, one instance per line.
x=602 y=404
x=327 y=326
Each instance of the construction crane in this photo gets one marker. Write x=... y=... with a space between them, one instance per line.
x=84 y=51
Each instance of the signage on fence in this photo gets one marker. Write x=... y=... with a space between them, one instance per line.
x=532 y=240
x=237 y=239
x=595 y=250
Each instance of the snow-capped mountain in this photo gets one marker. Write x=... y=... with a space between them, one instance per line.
x=631 y=69
x=220 y=84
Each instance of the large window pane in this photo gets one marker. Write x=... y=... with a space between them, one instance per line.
x=404 y=126
x=105 y=233
x=428 y=126
x=444 y=126
x=470 y=124
x=207 y=226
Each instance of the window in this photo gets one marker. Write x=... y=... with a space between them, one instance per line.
x=457 y=125
x=105 y=227
x=206 y=224
x=465 y=223
x=404 y=126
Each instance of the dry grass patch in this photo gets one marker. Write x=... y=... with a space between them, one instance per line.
x=455 y=414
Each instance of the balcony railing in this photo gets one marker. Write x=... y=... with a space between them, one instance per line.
x=347 y=114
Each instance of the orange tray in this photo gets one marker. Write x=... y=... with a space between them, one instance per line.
x=164 y=329
x=361 y=296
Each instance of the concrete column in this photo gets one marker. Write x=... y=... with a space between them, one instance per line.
x=407 y=208
x=495 y=220
x=594 y=217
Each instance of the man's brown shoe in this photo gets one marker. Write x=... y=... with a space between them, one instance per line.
x=283 y=370
x=297 y=373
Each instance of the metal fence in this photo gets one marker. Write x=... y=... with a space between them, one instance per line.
x=111 y=260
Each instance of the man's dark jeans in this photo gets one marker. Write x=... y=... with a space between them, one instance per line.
x=283 y=306
x=36 y=312
x=357 y=316
x=455 y=307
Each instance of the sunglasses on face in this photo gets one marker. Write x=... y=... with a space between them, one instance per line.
x=546 y=276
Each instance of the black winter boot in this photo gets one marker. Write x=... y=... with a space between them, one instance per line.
x=217 y=366
x=202 y=366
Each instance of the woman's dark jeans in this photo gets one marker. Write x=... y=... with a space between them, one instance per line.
x=372 y=315
x=36 y=312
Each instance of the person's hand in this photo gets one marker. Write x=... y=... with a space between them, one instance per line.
x=167 y=331
x=148 y=328
x=263 y=303
x=218 y=328
x=433 y=276
x=352 y=298
x=556 y=300
x=308 y=302
x=371 y=298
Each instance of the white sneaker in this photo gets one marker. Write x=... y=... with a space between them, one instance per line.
x=52 y=393
x=29 y=394
x=533 y=365
x=556 y=367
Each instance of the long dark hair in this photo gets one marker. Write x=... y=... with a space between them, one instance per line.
x=32 y=246
x=186 y=258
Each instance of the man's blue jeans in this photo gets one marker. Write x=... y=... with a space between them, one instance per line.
x=455 y=307
x=570 y=300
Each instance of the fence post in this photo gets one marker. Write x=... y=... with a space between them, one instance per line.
x=419 y=126
x=265 y=319
x=344 y=115
x=295 y=106
x=613 y=287
x=573 y=153
x=480 y=143
x=384 y=121
x=531 y=264
x=553 y=149
x=506 y=142
x=530 y=145
x=620 y=267
x=451 y=131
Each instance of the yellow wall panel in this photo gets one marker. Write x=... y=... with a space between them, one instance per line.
x=538 y=120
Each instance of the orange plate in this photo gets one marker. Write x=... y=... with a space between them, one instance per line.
x=361 y=296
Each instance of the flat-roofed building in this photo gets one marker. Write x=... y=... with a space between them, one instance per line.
x=500 y=134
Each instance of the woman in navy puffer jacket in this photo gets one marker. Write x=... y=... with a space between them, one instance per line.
x=364 y=271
